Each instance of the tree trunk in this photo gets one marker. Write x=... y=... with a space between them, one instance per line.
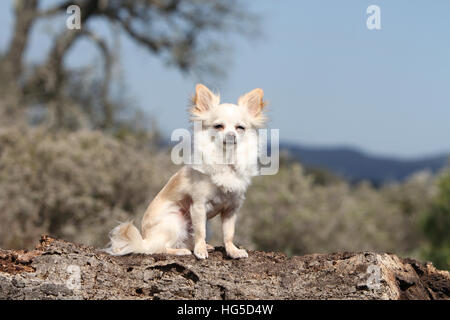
x=25 y=11
x=62 y=270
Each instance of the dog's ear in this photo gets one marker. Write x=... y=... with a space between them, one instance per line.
x=203 y=100
x=253 y=101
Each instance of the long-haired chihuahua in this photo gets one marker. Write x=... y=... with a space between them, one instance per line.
x=227 y=142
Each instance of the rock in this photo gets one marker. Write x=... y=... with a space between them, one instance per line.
x=59 y=269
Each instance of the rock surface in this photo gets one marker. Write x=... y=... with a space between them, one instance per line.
x=62 y=270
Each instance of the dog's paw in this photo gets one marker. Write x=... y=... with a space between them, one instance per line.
x=200 y=251
x=209 y=247
x=236 y=253
x=183 y=252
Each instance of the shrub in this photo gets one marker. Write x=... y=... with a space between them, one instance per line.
x=290 y=212
x=436 y=226
x=72 y=185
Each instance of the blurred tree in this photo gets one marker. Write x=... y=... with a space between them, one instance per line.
x=183 y=33
x=436 y=226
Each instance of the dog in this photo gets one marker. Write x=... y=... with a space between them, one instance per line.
x=175 y=221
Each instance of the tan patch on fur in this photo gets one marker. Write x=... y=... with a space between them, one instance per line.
x=253 y=101
x=169 y=191
x=124 y=231
x=255 y=105
x=203 y=99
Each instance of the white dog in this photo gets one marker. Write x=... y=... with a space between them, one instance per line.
x=175 y=221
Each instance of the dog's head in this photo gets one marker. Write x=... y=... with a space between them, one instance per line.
x=230 y=124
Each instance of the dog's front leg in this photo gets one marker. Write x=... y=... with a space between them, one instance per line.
x=198 y=217
x=228 y=225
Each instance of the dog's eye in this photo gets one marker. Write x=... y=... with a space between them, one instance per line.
x=218 y=126
x=240 y=128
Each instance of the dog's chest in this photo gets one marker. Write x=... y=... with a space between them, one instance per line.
x=222 y=202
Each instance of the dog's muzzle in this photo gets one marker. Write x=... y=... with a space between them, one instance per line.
x=230 y=138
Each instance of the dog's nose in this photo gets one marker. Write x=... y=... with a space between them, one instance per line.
x=230 y=138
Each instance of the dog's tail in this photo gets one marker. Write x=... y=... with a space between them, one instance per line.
x=125 y=239
x=171 y=232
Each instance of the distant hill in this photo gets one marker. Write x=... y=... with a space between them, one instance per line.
x=355 y=165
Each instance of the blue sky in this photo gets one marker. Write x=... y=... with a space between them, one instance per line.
x=328 y=79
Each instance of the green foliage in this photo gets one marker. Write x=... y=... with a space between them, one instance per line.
x=436 y=226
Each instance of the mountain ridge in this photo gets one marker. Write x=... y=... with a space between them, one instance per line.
x=355 y=165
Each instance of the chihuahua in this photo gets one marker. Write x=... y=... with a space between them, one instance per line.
x=175 y=221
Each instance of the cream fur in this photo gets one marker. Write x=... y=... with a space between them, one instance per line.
x=175 y=221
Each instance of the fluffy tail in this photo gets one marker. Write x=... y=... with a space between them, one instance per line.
x=125 y=239
x=170 y=232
